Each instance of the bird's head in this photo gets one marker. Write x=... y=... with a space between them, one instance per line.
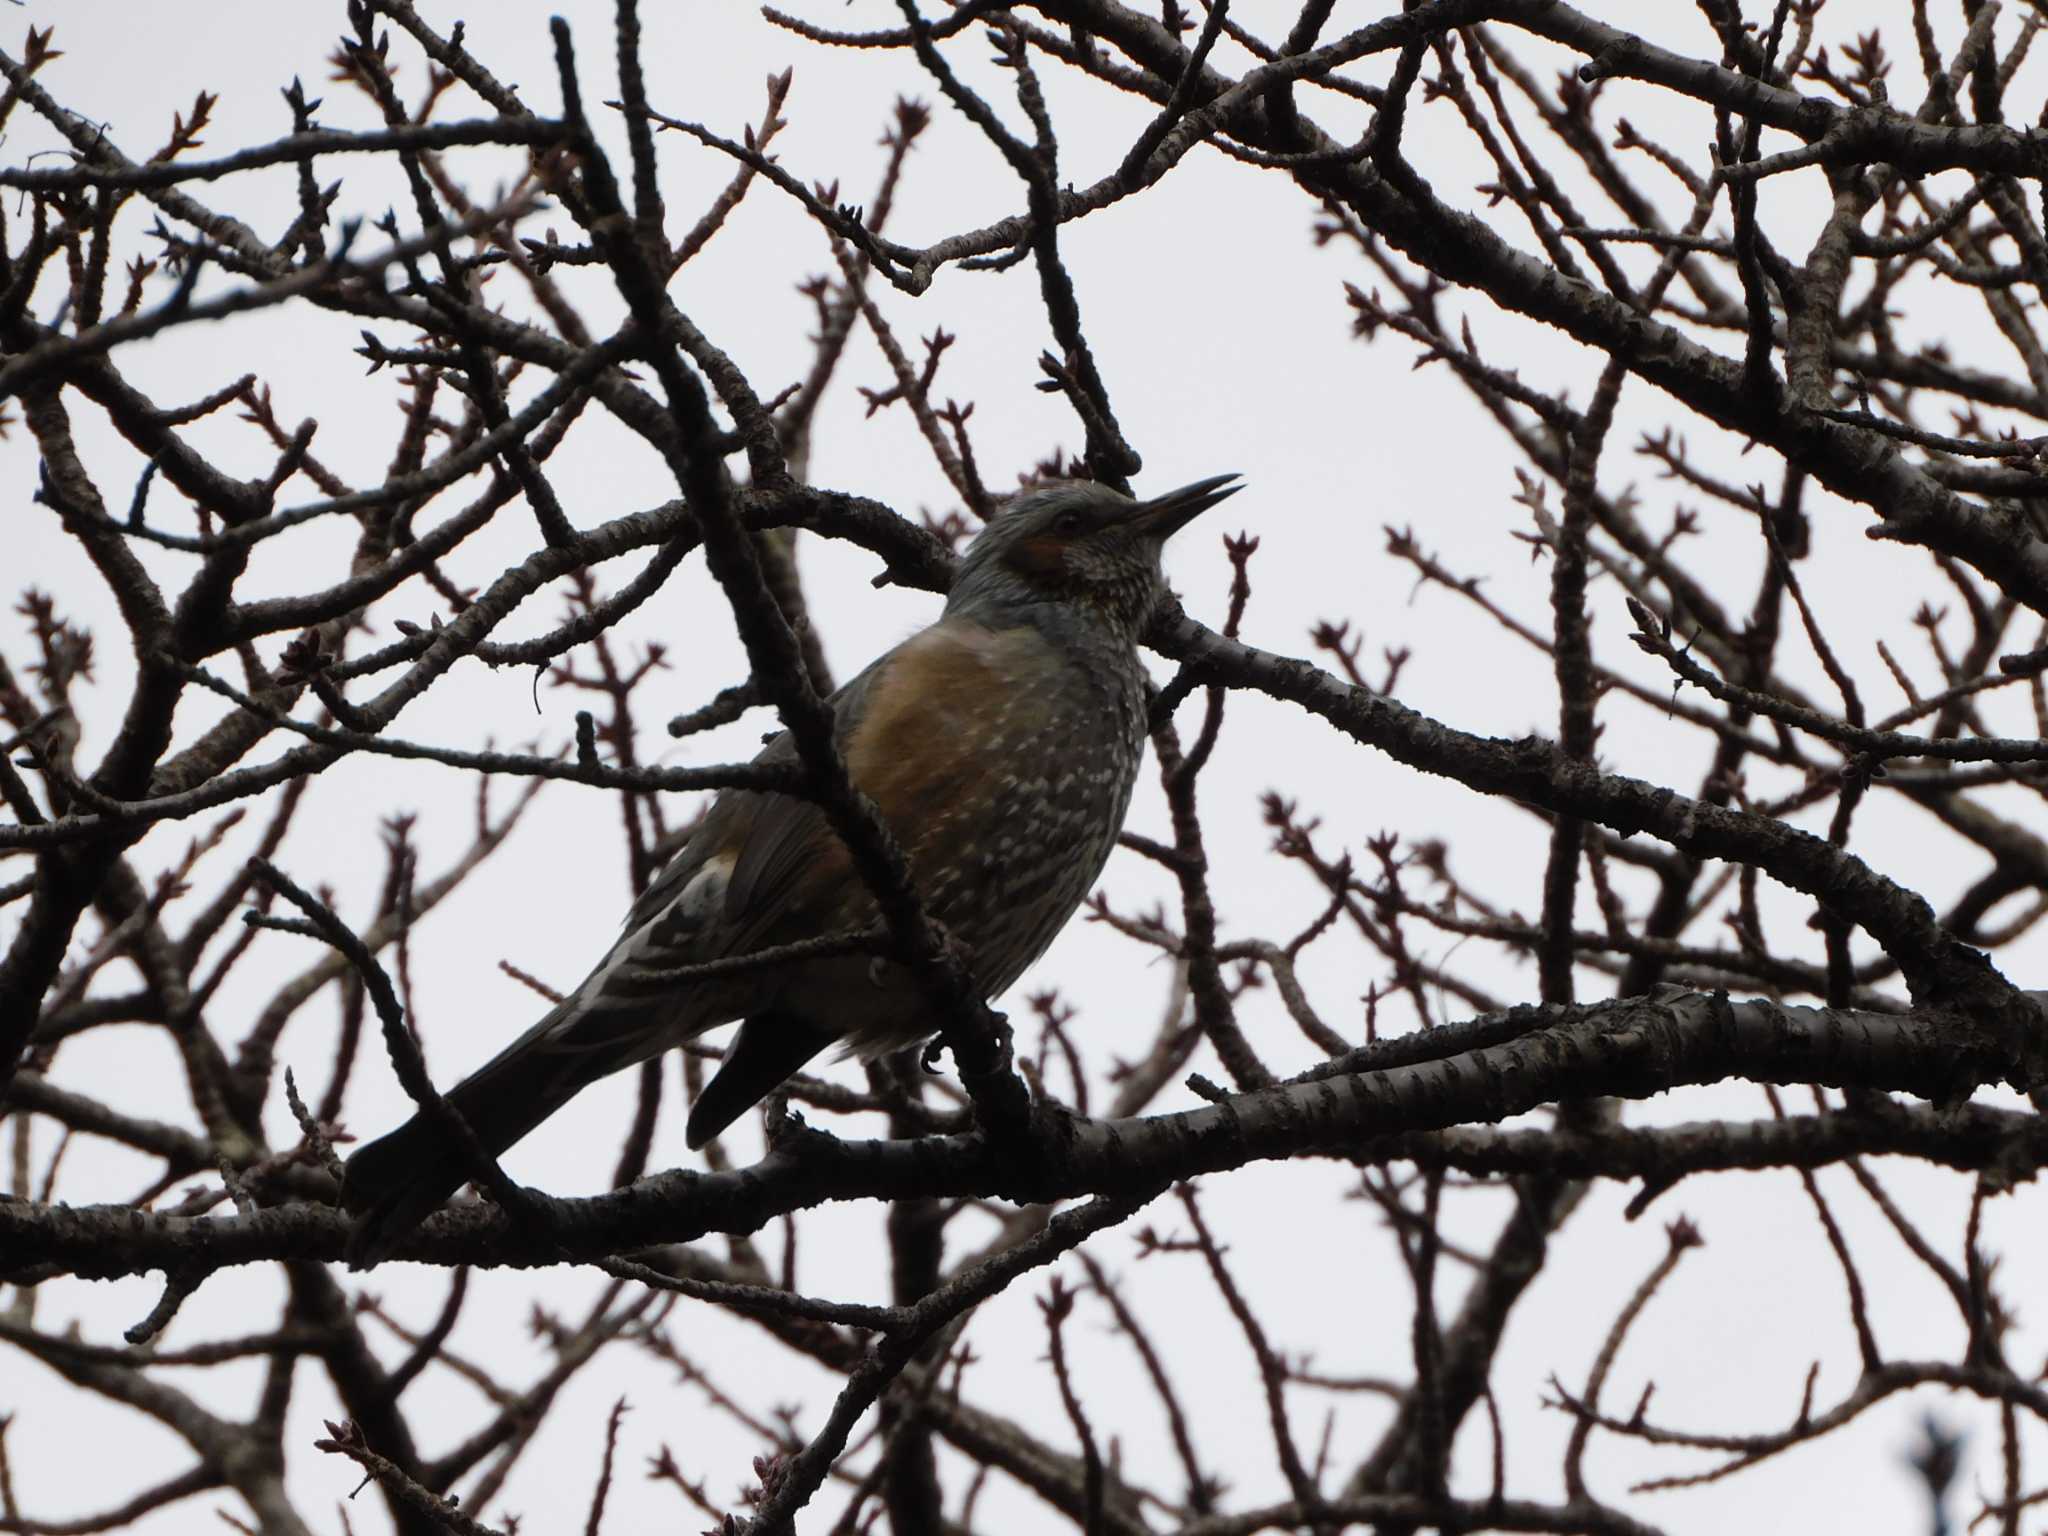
x=1082 y=545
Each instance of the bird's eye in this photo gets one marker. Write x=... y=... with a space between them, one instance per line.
x=1067 y=523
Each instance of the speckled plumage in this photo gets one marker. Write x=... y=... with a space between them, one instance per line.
x=1001 y=746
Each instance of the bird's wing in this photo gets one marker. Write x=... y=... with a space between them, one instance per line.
x=718 y=837
x=766 y=869
x=732 y=878
x=911 y=731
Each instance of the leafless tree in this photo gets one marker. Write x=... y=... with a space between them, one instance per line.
x=1808 y=875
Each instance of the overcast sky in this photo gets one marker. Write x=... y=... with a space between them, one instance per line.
x=1222 y=331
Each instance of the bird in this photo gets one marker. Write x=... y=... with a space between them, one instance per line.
x=1000 y=745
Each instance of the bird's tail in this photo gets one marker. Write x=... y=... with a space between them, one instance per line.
x=398 y=1180
x=395 y=1182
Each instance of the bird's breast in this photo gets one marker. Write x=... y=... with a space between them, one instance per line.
x=1004 y=763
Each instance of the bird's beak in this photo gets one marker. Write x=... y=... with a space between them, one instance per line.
x=1164 y=516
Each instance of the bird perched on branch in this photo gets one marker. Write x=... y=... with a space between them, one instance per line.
x=1000 y=746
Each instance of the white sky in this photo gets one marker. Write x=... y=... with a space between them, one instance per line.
x=1223 y=335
